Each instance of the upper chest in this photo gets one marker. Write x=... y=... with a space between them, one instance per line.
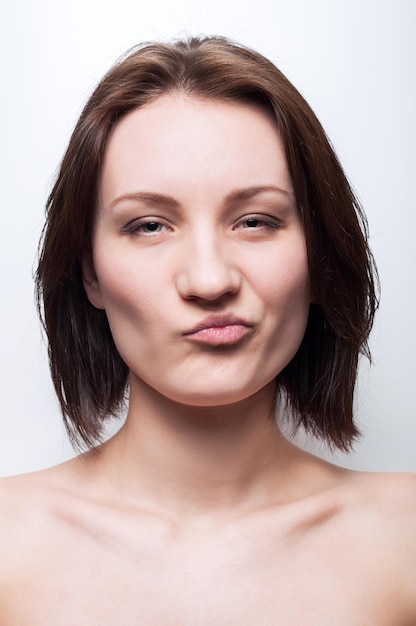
x=264 y=573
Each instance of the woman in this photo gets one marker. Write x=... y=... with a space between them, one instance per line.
x=205 y=264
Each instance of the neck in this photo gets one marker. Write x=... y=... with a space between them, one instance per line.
x=192 y=460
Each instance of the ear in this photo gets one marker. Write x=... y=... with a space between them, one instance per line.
x=90 y=281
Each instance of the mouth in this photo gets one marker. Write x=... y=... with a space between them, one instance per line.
x=220 y=330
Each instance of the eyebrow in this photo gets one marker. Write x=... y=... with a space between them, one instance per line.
x=233 y=197
x=239 y=195
x=146 y=196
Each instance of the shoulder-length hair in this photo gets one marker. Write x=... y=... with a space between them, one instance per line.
x=89 y=375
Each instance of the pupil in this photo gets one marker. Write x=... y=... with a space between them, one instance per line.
x=252 y=222
x=152 y=226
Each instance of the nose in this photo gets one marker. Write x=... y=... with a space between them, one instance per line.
x=207 y=271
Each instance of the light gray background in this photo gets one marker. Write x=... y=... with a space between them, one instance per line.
x=353 y=60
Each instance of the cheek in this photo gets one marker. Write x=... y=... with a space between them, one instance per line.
x=124 y=291
x=286 y=296
x=134 y=312
x=125 y=280
x=282 y=279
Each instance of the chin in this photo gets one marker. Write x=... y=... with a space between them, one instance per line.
x=219 y=395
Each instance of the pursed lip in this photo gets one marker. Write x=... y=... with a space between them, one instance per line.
x=218 y=321
x=216 y=330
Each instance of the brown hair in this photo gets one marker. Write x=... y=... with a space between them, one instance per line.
x=89 y=375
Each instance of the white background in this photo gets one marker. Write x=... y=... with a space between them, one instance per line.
x=353 y=60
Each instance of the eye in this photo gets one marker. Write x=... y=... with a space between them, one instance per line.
x=252 y=222
x=258 y=222
x=145 y=227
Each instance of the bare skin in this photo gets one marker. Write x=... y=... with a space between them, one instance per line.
x=199 y=512
x=277 y=537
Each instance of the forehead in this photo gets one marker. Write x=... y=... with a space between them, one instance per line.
x=193 y=149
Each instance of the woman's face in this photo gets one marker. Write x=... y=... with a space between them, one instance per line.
x=199 y=256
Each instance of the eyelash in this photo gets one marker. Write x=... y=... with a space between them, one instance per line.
x=138 y=227
x=261 y=223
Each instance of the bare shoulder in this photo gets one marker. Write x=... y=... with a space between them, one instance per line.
x=394 y=503
x=27 y=504
x=392 y=496
x=386 y=498
x=384 y=509
x=19 y=496
x=24 y=490
x=384 y=484
x=19 y=511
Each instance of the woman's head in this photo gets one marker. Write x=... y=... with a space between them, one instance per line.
x=89 y=375
x=198 y=253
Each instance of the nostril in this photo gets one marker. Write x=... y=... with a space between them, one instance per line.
x=208 y=281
